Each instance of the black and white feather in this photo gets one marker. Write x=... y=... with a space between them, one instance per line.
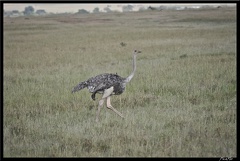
x=101 y=82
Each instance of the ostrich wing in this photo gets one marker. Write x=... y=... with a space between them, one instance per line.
x=107 y=82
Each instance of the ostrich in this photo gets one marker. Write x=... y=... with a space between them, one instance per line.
x=107 y=84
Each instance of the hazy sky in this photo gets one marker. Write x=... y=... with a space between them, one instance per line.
x=74 y=7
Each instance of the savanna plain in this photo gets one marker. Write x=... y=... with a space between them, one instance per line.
x=180 y=103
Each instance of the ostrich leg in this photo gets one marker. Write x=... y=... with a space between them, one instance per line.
x=111 y=107
x=99 y=108
x=106 y=93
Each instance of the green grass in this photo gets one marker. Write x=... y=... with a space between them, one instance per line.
x=180 y=103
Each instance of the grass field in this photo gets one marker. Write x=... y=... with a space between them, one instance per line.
x=180 y=103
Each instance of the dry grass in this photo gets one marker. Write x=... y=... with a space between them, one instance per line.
x=180 y=103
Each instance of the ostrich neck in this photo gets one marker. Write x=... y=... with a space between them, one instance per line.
x=128 y=79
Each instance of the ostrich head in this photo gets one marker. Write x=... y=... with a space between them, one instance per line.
x=135 y=52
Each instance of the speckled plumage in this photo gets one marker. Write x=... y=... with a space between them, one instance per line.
x=101 y=82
